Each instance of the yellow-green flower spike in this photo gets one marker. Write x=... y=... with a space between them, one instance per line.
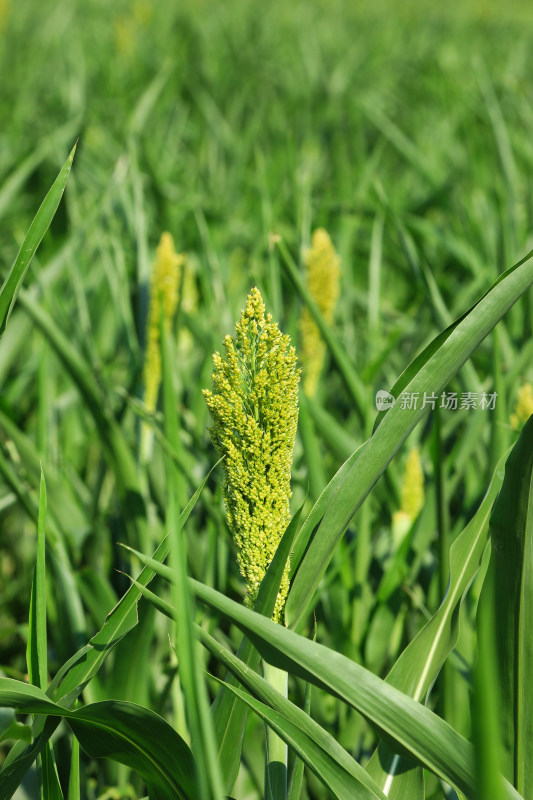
x=166 y=276
x=412 y=496
x=323 y=276
x=254 y=406
x=524 y=406
x=5 y=10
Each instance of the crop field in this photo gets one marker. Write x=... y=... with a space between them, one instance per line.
x=266 y=400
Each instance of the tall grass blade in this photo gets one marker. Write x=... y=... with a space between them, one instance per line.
x=125 y=732
x=51 y=788
x=420 y=663
x=292 y=724
x=191 y=678
x=229 y=715
x=74 y=675
x=37 y=229
x=407 y=726
x=411 y=726
x=36 y=653
x=511 y=528
x=70 y=680
x=340 y=782
x=430 y=374
x=262 y=690
x=486 y=728
x=296 y=776
x=74 y=777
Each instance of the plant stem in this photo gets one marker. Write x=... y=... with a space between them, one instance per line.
x=276 y=750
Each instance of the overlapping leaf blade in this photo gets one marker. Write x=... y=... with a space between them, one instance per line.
x=418 y=666
x=39 y=226
x=113 y=729
x=511 y=527
x=430 y=374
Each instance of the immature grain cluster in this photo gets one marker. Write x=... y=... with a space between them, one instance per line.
x=166 y=276
x=164 y=288
x=412 y=496
x=254 y=406
x=524 y=406
x=323 y=275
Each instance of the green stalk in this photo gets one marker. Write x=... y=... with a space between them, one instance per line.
x=276 y=757
x=446 y=677
x=499 y=427
x=442 y=511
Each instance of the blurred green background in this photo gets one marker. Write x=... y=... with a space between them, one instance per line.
x=403 y=129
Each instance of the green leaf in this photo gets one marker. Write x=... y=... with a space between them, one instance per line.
x=74 y=777
x=414 y=728
x=511 y=567
x=36 y=652
x=429 y=373
x=11 y=729
x=63 y=505
x=39 y=226
x=18 y=762
x=485 y=711
x=229 y=715
x=208 y=779
x=70 y=680
x=125 y=732
x=142 y=740
x=51 y=787
x=74 y=675
x=340 y=782
x=296 y=777
x=311 y=742
x=115 y=444
x=418 y=666
x=314 y=517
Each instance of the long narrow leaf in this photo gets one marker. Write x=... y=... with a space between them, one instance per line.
x=36 y=653
x=418 y=666
x=338 y=781
x=317 y=748
x=414 y=728
x=69 y=681
x=512 y=567
x=125 y=732
x=192 y=681
x=361 y=784
x=39 y=226
x=229 y=715
x=434 y=369
x=409 y=725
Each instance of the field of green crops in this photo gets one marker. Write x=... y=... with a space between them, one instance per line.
x=365 y=170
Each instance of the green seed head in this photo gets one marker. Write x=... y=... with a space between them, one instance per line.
x=412 y=496
x=166 y=274
x=254 y=406
x=323 y=276
x=524 y=406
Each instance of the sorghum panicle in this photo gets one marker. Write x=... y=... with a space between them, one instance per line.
x=524 y=406
x=323 y=276
x=166 y=276
x=412 y=495
x=254 y=406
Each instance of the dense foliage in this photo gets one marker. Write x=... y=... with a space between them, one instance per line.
x=241 y=129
